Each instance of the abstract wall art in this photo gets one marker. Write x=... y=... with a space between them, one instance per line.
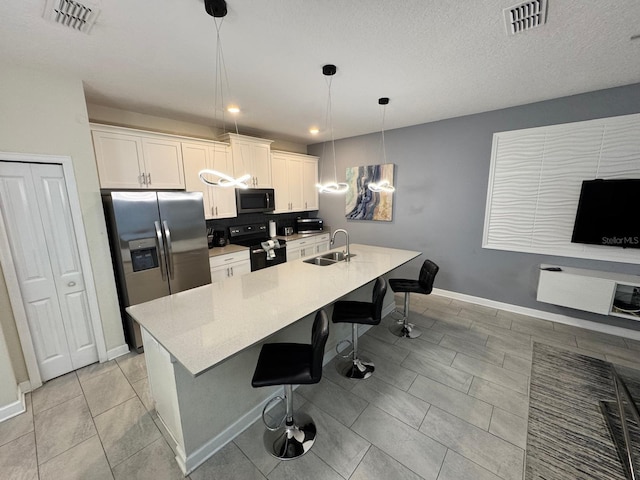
x=362 y=203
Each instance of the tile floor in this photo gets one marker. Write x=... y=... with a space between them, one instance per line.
x=449 y=405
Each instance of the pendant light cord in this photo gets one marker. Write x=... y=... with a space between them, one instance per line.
x=384 y=148
x=222 y=77
x=330 y=115
x=328 y=125
x=218 y=73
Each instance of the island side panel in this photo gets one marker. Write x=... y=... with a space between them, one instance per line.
x=220 y=403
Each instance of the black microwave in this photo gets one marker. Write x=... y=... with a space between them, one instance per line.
x=255 y=200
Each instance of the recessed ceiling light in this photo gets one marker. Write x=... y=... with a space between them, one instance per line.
x=233 y=109
x=314 y=130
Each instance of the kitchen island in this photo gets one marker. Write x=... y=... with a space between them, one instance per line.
x=201 y=345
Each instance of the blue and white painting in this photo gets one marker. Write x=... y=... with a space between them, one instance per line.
x=362 y=203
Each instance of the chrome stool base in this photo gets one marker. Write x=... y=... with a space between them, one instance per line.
x=407 y=330
x=291 y=441
x=358 y=369
x=403 y=328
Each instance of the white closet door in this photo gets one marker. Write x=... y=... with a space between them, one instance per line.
x=39 y=271
x=51 y=191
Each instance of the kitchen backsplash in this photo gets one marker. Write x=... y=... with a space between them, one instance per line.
x=281 y=219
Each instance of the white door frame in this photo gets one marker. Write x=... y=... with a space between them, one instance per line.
x=11 y=276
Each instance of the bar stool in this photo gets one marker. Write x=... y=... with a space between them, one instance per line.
x=288 y=364
x=423 y=285
x=355 y=366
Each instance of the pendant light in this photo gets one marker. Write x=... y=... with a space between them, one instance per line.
x=330 y=187
x=383 y=186
x=218 y=9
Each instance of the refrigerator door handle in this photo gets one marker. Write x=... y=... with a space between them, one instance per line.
x=161 y=252
x=167 y=235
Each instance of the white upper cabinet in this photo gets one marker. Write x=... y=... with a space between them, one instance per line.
x=218 y=202
x=309 y=182
x=133 y=159
x=294 y=180
x=253 y=156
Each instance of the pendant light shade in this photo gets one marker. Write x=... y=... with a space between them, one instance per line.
x=330 y=187
x=223 y=180
x=384 y=185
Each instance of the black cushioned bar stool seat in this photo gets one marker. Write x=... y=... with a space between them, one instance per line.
x=292 y=364
x=363 y=313
x=423 y=285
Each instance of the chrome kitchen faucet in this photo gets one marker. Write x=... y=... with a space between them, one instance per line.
x=346 y=234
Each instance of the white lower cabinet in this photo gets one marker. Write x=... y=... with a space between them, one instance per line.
x=307 y=246
x=322 y=243
x=231 y=265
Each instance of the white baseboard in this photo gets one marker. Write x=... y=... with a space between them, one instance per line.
x=25 y=387
x=553 y=317
x=14 y=408
x=117 y=352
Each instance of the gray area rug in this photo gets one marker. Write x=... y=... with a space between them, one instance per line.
x=568 y=437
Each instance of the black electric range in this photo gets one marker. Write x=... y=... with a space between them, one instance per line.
x=254 y=235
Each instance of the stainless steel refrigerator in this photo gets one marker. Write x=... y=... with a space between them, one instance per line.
x=158 y=246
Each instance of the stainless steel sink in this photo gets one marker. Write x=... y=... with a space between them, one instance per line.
x=328 y=259
x=336 y=256
x=323 y=262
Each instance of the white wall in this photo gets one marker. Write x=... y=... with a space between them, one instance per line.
x=46 y=114
x=441 y=177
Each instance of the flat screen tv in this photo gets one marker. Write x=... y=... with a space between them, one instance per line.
x=608 y=213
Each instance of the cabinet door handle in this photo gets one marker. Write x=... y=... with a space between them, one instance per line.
x=148 y=179
x=305 y=204
x=216 y=210
x=232 y=271
x=142 y=179
x=71 y=284
x=213 y=212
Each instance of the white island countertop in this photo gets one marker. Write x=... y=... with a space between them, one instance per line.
x=204 y=326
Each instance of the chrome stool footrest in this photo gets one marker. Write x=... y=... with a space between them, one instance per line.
x=339 y=351
x=264 y=412
x=403 y=328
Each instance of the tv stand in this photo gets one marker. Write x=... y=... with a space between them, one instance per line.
x=594 y=291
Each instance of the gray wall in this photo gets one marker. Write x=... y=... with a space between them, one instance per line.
x=442 y=170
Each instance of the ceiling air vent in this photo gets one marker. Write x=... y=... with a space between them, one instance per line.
x=71 y=14
x=525 y=16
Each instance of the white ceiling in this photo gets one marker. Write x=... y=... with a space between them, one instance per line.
x=434 y=59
